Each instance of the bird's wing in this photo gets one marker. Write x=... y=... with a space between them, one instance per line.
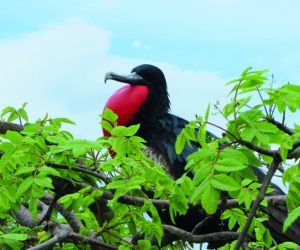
x=164 y=141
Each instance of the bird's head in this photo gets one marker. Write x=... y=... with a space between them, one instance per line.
x=143 y=100
x=142 y=75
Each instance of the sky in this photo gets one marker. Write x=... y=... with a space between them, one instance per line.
x=54 y=54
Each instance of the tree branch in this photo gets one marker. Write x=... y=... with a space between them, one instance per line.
x=91 y=242
x=211 y=237
x=230 y=203
x=60 y=231
x=257 y=149
x=281 y=126
x=81 y=169
x=5 y=126
x=24 y=217
x=63 y=233
x=70 y=217
x=293 y=153
x=265 y=184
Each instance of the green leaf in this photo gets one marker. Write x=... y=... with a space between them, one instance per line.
x=109 y=115
x=14 y=137
x=202 y=136
x=132 y=130
x=207 y=112
x=224 y=183
x=229 y=165
x=23 y=114
x=287 y=245
x=24 y=186
x=13 y=116
x=202 y=173
x=17 y=237
x=180 y=143
x=199 y=191
x=44 y=171
x=125 y=131
x=106 y=126
x=292 y=217
x=248 y=134
x=7 y=110
x=210 y=199
x=63 y=120
x=24 y=170
x=45 y=182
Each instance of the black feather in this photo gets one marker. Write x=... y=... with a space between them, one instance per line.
x=160 y=129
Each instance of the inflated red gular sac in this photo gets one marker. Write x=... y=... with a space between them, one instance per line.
x=144 y=100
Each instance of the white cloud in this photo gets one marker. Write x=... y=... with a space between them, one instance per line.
x=60 y=70
x=139 y=44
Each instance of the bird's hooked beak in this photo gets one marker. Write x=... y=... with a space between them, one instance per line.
x=132 y=79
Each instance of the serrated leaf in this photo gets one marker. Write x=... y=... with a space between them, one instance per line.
x=180 y=143
x=224 y=183
x=43 y=182
x=292 y=217
x=202 y=136
x=24 y=186
x=13 y=116
x=199 y=191
x=63 y=120
x=210 y=199
x=203 y=173
x=24 y=170
x=106 y=126
x=18 y=237
x=23 y=114
x=287 y=245
x=229 y=165
x=109 y=115
x=44 y=170
x=125 y=131
x=14 y=137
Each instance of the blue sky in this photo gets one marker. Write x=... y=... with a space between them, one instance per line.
x=54 y=54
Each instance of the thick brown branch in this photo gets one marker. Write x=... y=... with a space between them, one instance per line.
x=230 y=203
x=91 y=242
x=212 y=237
x=257 y=149
x=5 y=126
x=70 y=217
x=281 y=126
x=63 y=233
x=60 y=231
x=24 y=217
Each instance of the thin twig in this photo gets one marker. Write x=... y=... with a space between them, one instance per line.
x=81 y=169
x=265 y=184
x=262 y=100
x=246 y=143
x=51 y=206
x=201 y=224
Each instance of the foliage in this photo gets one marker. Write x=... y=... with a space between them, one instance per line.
x=43 y=160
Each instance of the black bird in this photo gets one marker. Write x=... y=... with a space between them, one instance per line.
x=145 y=101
